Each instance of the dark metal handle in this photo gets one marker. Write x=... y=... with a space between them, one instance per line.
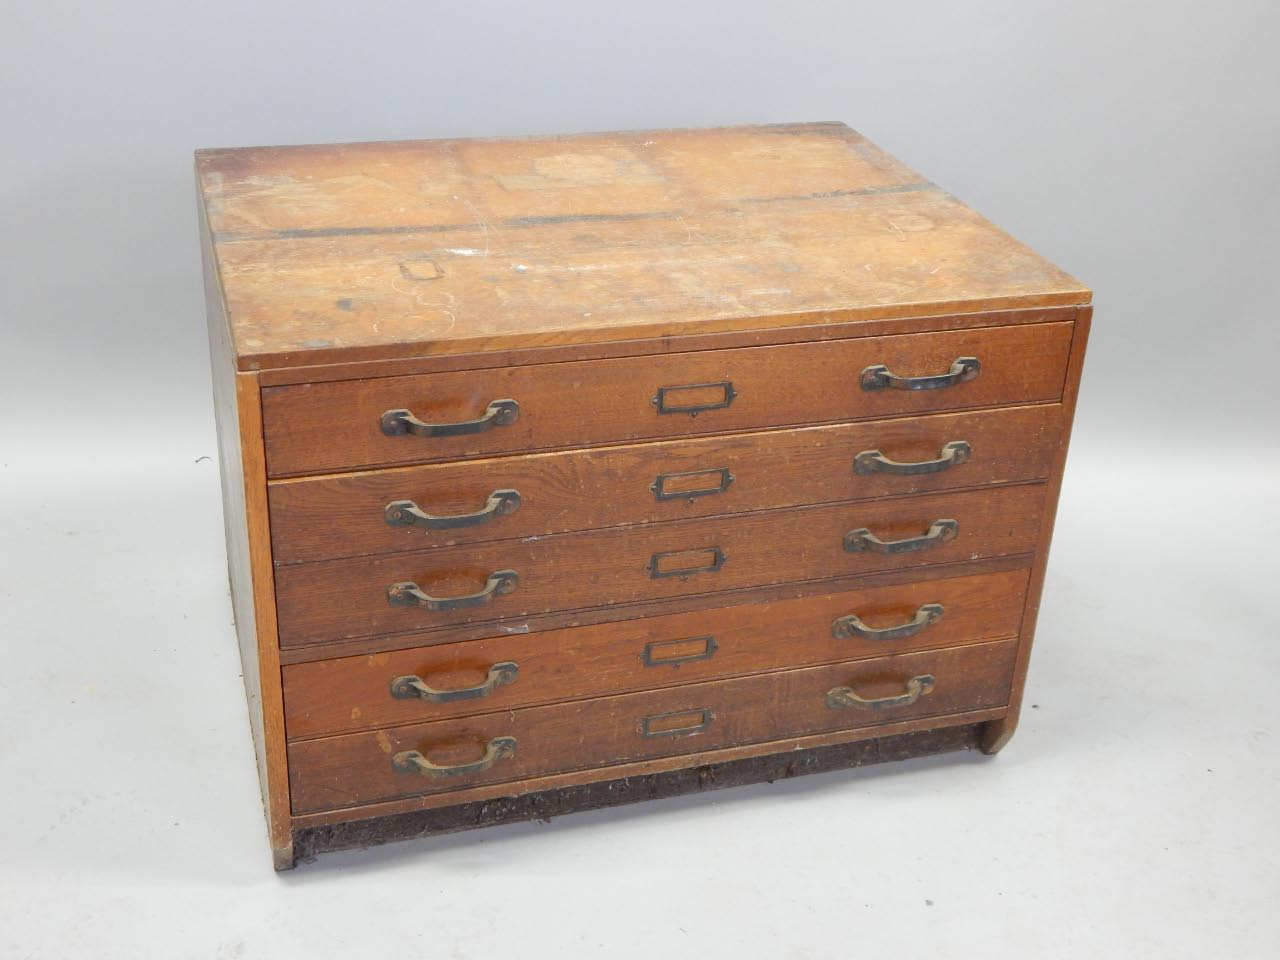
x=411 y=761
x=878 y=377
x=415 y=688
x=665 y=403
x=917 y=687
x=676 y=486
x=397 y=423
x=715 y=558
x=851 y=625
x=406 y=513
x=940 y=531
x=682 y=723
x=675 y=652
x=873 y=461
x=408 y=594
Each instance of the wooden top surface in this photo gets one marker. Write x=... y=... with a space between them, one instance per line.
x=369 y=251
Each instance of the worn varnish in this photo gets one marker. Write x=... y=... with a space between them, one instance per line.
x=325 y=697
x=345 y=515
x=336 y=426
x=341 y=599
x=394 y=249
x=357 y=768
x=732 y=430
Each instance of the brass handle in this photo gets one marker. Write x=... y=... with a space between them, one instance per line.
x=415 y=688
x=409 y=594
x=676 y=652
x=406 y=513
x=873 y=461
x=411 y=761
x=940 y=531
x=849 y=626
x=878 y=377
x=917 y=687
x=682 y=723
x=694 y=398
x=397 y=423
x=686 y=562
x=689 y=485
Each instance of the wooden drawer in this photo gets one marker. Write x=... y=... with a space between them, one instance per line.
x=358 y=768
x=330 y=517
x=340 y=599
x=328 y=427
x=359 y=693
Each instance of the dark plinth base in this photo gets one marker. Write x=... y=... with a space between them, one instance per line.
x=610 y=793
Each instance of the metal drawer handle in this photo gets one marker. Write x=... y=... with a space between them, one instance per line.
x=408 y=594
x=878 y=377
x=940 y=531
x=873 y=461
x=415 y=688
x=406 y=513
x=688 y=485
x=850 y=626
x=917 y=687
x=682 y=723
x=687 y=562
x=397 y=423
x=411 y=761
x=667 y=399
x=675 y=652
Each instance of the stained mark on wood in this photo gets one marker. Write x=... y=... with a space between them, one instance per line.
x=419 y=269
x=860 y=192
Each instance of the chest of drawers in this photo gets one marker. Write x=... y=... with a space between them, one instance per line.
x=569 y=471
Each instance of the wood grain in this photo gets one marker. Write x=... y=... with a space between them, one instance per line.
x=370 y=251
x=343 y=516
x=328 y=427
x=999 y=732
x=461 y=632
x=348 y=598
x=334 y=772
x=805 y=328
x=584 y=276
x=657 y=765
x=238 y=412
x=353 y=693
x=783 y=762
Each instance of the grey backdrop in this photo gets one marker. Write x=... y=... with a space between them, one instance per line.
x=1135 y=144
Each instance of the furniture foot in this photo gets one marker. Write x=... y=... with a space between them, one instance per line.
x=997 y=733
x=283 y=857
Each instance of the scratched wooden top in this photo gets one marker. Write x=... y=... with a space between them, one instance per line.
x=380 y=250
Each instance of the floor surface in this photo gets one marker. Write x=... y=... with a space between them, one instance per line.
x=1134 y=815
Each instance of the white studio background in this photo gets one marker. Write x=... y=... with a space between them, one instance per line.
x=1136 y=144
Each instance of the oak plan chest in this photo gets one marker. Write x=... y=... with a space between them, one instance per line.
x=569 y=471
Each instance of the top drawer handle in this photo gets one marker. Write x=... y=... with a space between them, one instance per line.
x=397 y=423
x=879 y=377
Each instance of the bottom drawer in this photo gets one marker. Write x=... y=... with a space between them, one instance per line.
x=446 y=755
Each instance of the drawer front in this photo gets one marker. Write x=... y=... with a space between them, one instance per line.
x=335 y=772
x=392 y=511
x=342 y=599
x=332 y=427
x=327 y=697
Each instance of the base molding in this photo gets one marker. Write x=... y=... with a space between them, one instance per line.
x=309 y=842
